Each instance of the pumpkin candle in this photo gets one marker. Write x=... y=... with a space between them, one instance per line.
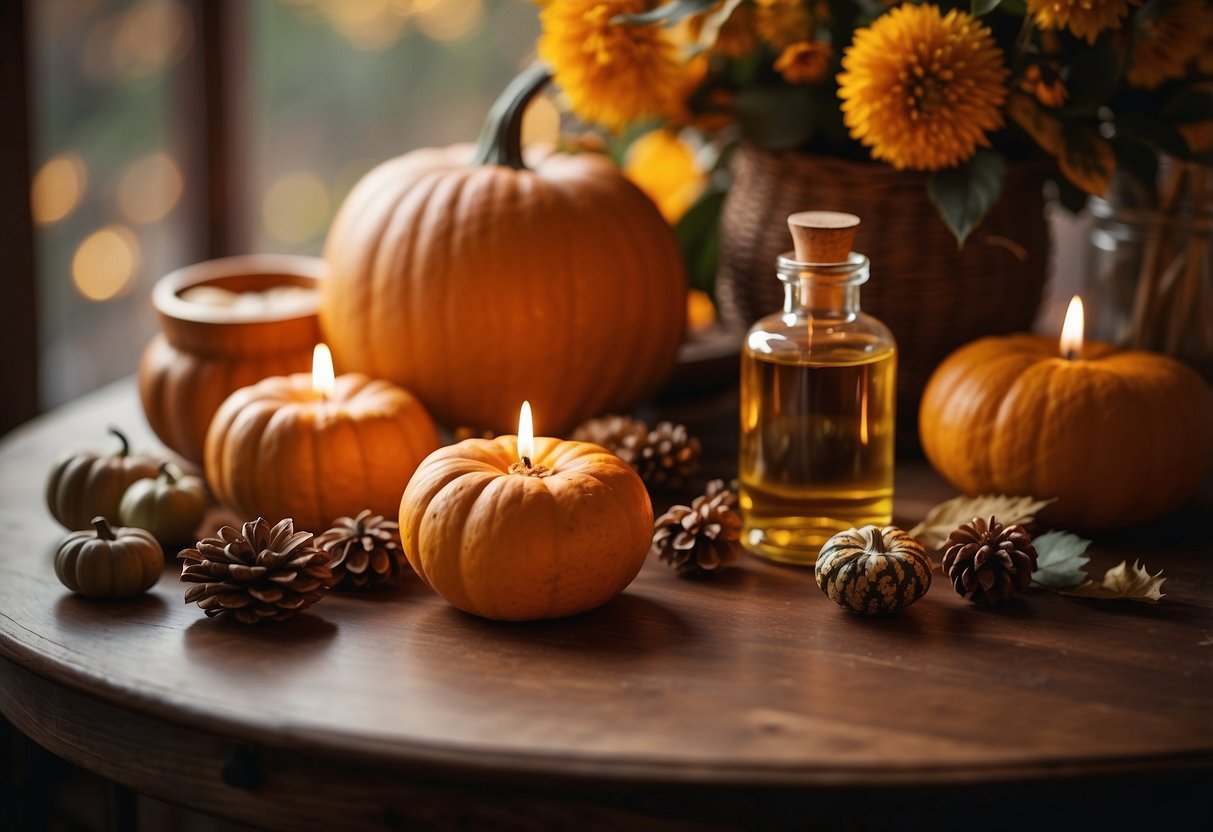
x=315 y=447
x=1117 y=437
x=522 y=527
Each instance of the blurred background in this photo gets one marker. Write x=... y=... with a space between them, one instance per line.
x=168 y=131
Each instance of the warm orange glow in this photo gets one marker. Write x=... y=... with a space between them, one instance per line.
x=323 y=379
x=449 y=20
x=57 y=188
x=149 y=188
x=1071 y=330
x=526 y=436
x=105 y=262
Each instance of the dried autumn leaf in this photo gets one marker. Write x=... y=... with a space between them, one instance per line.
x=941 y=520
x=1044 y=129
x=1060 y=560
x=1121 y=583
x=1087 y=160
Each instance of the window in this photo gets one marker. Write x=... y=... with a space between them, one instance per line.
x=313 y=93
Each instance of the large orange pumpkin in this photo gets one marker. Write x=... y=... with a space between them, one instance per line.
x=276 y=450
x=477 y=283
x=516 y=543
x=1118 y=438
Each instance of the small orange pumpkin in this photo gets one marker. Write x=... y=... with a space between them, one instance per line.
x=277 y=449
x=1118 y=438
x=513 y=542
x=476 y=282
x=205 y=352
x=82 y=485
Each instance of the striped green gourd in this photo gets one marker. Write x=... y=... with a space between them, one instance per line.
x=873 y=570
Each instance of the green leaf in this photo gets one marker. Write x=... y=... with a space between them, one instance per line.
x=698 y=234
x=1120 y=583
x=933 y=531
x=669 y=12
x=981 y=7
x=963 y=195
x=1060 y=560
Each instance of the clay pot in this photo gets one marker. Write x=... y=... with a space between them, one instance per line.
x=207 y=350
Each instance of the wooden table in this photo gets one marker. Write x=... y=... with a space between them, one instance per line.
x=745 y=701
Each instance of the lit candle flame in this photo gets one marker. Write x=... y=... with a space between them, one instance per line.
x=1071 y=330
x=526 y=436
x=323 y=381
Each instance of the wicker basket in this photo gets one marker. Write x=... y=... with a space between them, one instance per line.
x=933 y=295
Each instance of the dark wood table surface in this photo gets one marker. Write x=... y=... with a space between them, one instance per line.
x=743 y=701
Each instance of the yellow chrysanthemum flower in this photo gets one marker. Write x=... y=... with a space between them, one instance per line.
x=664 y=166
x=922 y=89
x=733 y=37
x=1085 y=18
x=1165 y=44
x=611 y=74
x=806 y=62
x=784 y=22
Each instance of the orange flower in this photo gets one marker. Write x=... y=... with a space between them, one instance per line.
x=1165 y=44
x=663 y=165
x=1085 y=18
x=784 y=22
x=922 y=89
x=611 y=74
x=1043 y=81
x=806 y=62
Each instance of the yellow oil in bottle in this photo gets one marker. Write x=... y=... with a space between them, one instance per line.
x=816 y=445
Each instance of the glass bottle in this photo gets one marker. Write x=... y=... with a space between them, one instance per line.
x=818 y=389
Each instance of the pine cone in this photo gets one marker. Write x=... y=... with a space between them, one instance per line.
x=665 y=456
x=702 y=537
x=258 y=573
x=364 y=550
x=988 y=562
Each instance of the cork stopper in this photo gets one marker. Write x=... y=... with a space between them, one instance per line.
x=823 y=236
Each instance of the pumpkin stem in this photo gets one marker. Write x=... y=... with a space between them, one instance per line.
x=501 y=139
x=875 y=540
x=104 y=532
x=126 y=443
x=166 y=473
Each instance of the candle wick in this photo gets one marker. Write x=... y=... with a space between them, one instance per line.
x=1071 y=354
x=526 y=462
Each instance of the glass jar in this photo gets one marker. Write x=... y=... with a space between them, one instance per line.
x=818 y=398
x=1149 y=269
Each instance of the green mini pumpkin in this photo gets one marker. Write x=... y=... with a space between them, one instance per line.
x=83 y=485
x=105 y=562
x=169 y=506
x=873 y=570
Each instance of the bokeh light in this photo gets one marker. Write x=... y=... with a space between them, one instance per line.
x=296 y=207
x=149 y=188
x=144 y=39
x=447 y=20
x=57 y=188
x=105 y=262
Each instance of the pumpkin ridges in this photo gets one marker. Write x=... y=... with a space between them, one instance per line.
x=478 y=536
x=1045 y=442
